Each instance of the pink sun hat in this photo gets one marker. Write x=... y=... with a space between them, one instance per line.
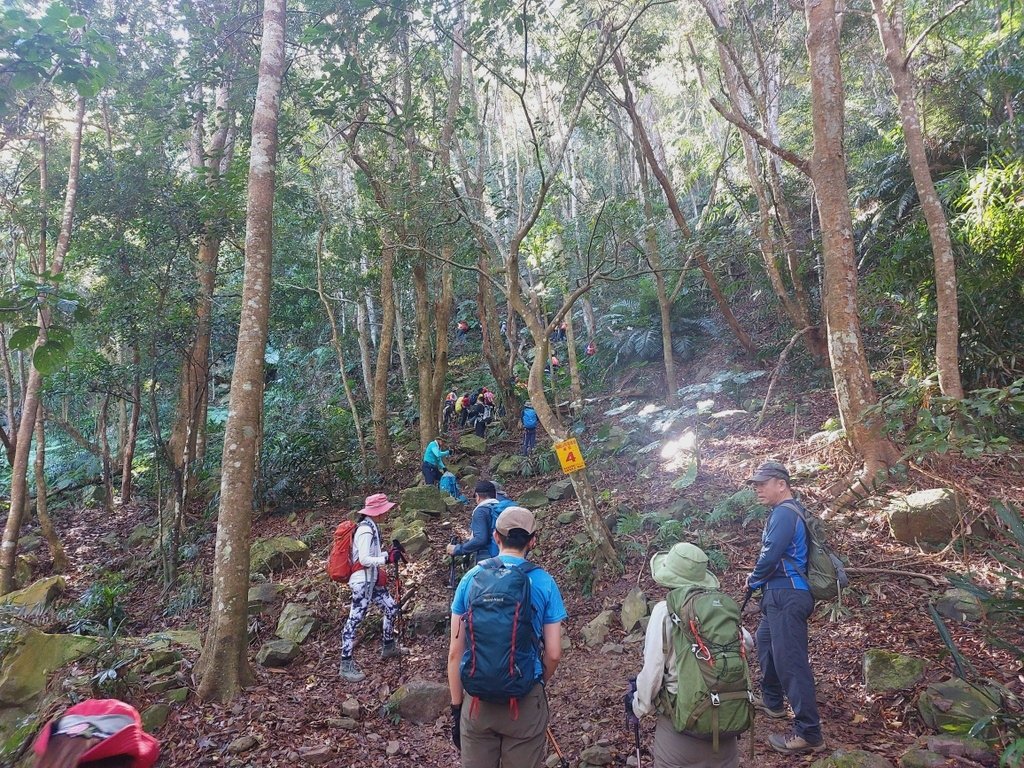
x=377 y=504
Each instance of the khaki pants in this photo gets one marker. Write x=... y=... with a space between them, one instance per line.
x=491 y=738
x=677 y=750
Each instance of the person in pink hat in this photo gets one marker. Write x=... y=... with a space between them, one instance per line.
x=367 y=583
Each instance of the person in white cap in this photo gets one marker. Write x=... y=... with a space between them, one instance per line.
x=368 y=587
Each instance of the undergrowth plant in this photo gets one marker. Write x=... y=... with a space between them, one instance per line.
x=99 y=610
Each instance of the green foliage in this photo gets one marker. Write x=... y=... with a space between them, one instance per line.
x=986 y=421
x=741 y=506
x=637 y=323
x=99 y=611
x=733 y=383
x=578 y=562
x=188 y=595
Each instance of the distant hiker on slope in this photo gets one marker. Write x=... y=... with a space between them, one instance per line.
x=448 y=411
x=673 y=686
x=368 y=583
x=500 y=710
x=530 y=422
x=786 y=605
x=450 y=485
x=433 y=461
x=481 y=544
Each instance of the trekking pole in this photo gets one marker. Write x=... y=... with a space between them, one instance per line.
x=746 y=599
x=562 y=762
x=636 y=740
x=396 y=545
x=451 y=568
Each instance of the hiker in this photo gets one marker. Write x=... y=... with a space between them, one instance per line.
x=450 y=485
x=530 y=422
x=488 y=397
x=481 y=413
x=448 y=411
x=466 y=403
x=96 y=732
x=658 y=688
x=591 y=349
x=433 y=461
x=500 y=711
x=368 y=583
x=481 y=544
x=786 y=605
x=461 y=329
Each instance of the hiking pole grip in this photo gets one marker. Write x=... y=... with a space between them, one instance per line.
x=746 y=599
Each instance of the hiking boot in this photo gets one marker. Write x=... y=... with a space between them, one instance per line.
x=350 y=672
x=776 y=714
x=794 y=744
x=392 y=650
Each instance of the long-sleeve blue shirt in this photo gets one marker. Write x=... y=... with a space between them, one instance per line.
x=782 y=563
x=434 y=455
x=481 y=543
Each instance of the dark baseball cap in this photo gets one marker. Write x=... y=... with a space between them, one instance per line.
x=485 y=488
x=770 y=470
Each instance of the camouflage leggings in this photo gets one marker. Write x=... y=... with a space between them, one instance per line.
x=362 y=596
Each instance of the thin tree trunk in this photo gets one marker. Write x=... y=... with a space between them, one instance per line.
x=223 y=667
x=855 y=392
x=105 y=462
x=363 y=338
x=381 y=438
x=131 y=441
x=575 y=383
x=60 y=560
x=947 y=326
x=30 y=402
x=9 y=390
x=403 y=363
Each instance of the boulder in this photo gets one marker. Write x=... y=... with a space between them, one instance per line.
x=34 y=655
x=23 y=570
x=36 y=596
x=852 y=758
x=473 y=445
x=511 y=466
x=596 y=630
x=350 y=708
x=413 y=538
x=318 y=755
x=495 y=462
x=342 y=723
x=278 y=553
x=296 y=623
x=154 y=717
x=420 y=701
x=263 y=596
x=634 y=608
x=568 y=517
x=960 y=605
x=243 y=744
x=956 y=705
x=889 y=671
x=561 y=490
x=534 y=499
x=430 y=620
x=423 y=498
x=141 y=534
x=921 y=758
x=278 y=652
x=189 y=638
x=936 y=751
x=926 y=517
x=596 y=755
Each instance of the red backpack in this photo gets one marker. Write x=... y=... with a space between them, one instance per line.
x=339 y=564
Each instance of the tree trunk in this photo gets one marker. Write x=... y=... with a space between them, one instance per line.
x=493 y=345
x=131 y=441
x=424 y=355
x=947 y=327
x=60 y=560
x=381 y=438
x=575 y=384
x=30 y=401
x=363 y=338
x=223 y=667
x=9 y=390
x=105 y=462
x=403 y=362
x=855 y=391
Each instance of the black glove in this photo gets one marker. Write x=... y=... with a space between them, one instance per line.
x=627 y=701
x=456 y=726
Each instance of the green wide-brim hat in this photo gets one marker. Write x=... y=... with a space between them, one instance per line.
x=685 y=565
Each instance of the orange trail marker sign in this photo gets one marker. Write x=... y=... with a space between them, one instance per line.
x=570 y=456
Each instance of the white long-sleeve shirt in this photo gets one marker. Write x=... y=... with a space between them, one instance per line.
x=366 y=551
x=659 y=670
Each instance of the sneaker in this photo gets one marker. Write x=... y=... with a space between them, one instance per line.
x=776 y=714
x=794 y=744
x=392 y=649
x=349 y=671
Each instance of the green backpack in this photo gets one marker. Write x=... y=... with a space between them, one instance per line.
x=714 y=696
x=826 y=573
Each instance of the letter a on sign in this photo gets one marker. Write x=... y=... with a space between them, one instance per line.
x=569 y=456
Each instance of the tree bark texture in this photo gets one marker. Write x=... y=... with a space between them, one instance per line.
x=132 y=438
x=855 y=392
x=947 y=324
x=31 y=398
x=223 y=667
x=57 y=555
x=381 y=438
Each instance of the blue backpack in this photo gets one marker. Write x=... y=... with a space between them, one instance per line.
x=529 y=418
x=502 y=648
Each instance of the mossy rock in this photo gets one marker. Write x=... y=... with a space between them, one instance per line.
x=420 y=701
x=423 y=498
x=186 y=638
x=23 y=570
x=155 y=717
x=414 y=538
x=561 y=490
x=297 y=622
x=473 y=445
x=495 y=462
x=511 y=466
x=956 y=705
x=35 y=656
x=534 y=499
x=852 y=758
x=279 y=652
x=926 y=517
x=889 y=671
x=36 y=596
x=278 y=553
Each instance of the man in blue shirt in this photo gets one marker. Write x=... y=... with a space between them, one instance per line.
x=786 y=605
x=433 y=461
x=481 y=544
x=490 y=734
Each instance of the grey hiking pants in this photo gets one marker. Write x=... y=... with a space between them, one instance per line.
x=782 y=651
